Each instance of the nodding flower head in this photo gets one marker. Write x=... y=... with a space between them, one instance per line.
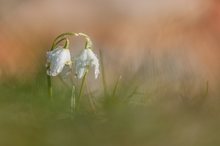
x=57 y=59
x=84 y=61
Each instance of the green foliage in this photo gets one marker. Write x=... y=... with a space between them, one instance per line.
x=123 y=117
x=133 y=111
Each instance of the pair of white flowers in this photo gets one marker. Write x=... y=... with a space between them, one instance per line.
x=60 y=56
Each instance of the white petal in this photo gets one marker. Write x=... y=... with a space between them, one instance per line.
x=57 y=59
x=94 y=62
x=85 y=59
x=81 y=72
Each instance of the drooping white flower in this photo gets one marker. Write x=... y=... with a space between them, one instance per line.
x=86 y=59
x=57 y=59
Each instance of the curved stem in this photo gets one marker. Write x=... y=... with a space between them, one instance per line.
x=60 y=36
x=88 y=44
x=88 y=40
x=67 y=44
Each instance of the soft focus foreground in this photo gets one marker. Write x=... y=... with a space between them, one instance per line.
x=161 y=63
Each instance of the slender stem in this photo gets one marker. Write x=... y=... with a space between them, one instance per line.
x=88 y=40
x=116 y=87
x=74 y=94
x=67 y=44
x=103 y=73
x=64 y=34
x=92 y=103
x=88 y=44
x=50 y=91
x=81 y=87
x=73 y=100
x=63 y=39
x=60 y=36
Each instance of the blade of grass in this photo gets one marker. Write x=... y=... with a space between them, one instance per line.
x=116 y=86
x=50 y=90
x=103 y=73
x=73 y=100
x=91 y=101
x=81 y=89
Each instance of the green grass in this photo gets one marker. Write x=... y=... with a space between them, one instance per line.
x=149 y=107
x=123 y=117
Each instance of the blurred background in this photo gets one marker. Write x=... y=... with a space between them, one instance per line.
x=167 y=51
x=130 y=30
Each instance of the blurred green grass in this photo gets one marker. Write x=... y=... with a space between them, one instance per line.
x=130 y=117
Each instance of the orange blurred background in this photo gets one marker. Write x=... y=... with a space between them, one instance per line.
x=126 y=29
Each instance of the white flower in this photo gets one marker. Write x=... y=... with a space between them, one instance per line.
x=86 y=59
x=57 y=59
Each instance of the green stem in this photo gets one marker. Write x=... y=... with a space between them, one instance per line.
x=116 y=87
x=63 y=39
x=81 y=87
x=67 y=44
x=55 y=43
x=103 y=73
x=73 y=100
x=50 y=91
x=60 y=36
x=88 y=44
x=88 y=40
x=91 y=101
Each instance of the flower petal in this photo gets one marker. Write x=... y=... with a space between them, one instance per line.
x=84 y=60
x=57 y=59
